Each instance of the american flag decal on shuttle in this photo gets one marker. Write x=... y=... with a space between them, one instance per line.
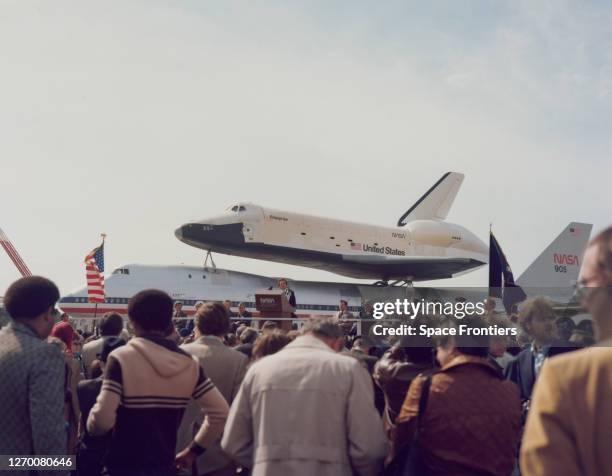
x=356 y=246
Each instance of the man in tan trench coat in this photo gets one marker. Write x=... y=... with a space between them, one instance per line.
x=307 y=410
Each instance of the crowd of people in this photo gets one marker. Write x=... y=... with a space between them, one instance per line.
x=170 y=394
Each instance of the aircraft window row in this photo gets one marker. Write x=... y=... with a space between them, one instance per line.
x=191 y=302
x=303 y=234
x=238 y=208
x=332 y=237
x=121 y=271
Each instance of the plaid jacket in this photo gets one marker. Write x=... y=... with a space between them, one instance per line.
x=31 y=394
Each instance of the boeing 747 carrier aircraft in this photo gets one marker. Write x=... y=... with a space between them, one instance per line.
x=422 y=247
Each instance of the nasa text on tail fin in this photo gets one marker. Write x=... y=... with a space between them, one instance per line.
x=558 y=266
x=436 y=202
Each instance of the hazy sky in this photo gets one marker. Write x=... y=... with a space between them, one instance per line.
x=133 y=117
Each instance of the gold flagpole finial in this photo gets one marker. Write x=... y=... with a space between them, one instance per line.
x=103 y=235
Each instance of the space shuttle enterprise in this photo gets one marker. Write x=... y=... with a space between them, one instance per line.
x=422 y=247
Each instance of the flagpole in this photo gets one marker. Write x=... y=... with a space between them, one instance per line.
x=103 y=235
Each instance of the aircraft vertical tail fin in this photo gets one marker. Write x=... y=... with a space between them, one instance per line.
x=559 y=264
x=436 y=202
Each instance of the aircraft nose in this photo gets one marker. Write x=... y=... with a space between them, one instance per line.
x=188 y=231
x=208 y=236
x=179 y=233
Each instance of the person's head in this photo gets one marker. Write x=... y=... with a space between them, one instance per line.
x=230 y=340
x=361 y=344
x=178 y=305
x=472 y=341
x=241 y=308
x=282 y=284
x=198 y=305
x=63 y=332
x=31 y=301
x=65 y=317
x=270 y=343
x=595 y=282
x=565 y=327
x=343 y=305
x=240 y=329
x=248 y=336
x=489 y=305
x=418 y=348
x=537 y=319
x=268 y=326
x=228 y=305
x=212 y=320
x=150 y=312
x=326 y=329
x=111 y=324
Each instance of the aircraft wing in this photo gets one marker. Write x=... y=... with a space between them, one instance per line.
x=421 y=267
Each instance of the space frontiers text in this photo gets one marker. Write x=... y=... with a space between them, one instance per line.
x=412 y=309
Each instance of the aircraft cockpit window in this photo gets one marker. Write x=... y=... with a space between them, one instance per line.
x=235 y=208
x=121 y=271
x=241 y=209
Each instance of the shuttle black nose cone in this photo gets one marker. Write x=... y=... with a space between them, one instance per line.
x=179 y=233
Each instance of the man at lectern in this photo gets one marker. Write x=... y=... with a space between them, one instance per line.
x=284 y=286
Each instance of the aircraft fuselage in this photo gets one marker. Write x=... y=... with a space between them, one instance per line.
x=422 y=250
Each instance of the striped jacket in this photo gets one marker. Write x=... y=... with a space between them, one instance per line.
x=146 y=387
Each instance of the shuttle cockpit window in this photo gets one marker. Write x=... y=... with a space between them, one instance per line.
x=121 y=271
x=241 y=209
x=235 y=208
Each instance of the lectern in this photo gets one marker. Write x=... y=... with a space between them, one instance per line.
x=273 y=304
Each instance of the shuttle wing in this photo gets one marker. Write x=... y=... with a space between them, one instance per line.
x=436 y=202
x=418 y=267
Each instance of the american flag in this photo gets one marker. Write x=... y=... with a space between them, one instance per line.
x=94 y=269
x=356 y=246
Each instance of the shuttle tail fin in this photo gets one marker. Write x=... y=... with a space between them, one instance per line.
x=559 y=264
x=436 y=202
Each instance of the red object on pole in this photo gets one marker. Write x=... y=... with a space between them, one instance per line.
x=14 y=255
